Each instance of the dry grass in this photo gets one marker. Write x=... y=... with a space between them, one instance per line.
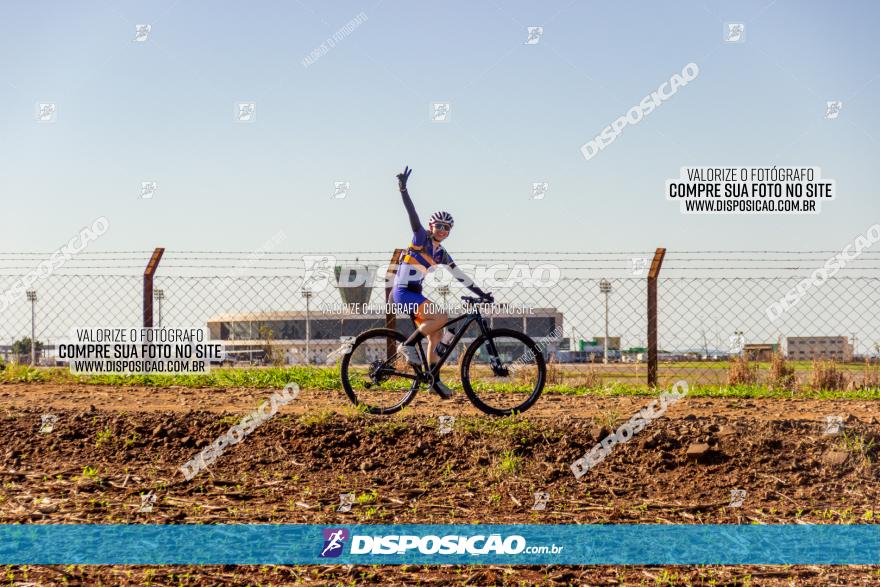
x=781 y=374
x=826 y=375
x=527 y=374
x=554 y=373
x=591 y=378
x=607 y=418
x=742 y=372
x=872 y=375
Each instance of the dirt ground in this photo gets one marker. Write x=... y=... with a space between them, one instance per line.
x=112 y=444
x=549 y=406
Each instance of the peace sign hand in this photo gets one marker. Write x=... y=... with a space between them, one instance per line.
x=402 y=177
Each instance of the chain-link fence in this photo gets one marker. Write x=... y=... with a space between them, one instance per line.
x=714 y=308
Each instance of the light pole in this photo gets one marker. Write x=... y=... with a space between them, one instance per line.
x=32 y=298
x=159 y=295
x=605 y=288
x=307 y=294
x=443 y=290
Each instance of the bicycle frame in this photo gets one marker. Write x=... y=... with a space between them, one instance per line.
x=472 y=315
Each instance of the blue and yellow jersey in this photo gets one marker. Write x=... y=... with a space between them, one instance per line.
x=421 y=256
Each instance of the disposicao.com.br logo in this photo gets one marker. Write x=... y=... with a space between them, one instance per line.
x=478 y=544
x=334 y=540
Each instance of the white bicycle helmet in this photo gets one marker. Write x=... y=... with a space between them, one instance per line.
x=442 y=216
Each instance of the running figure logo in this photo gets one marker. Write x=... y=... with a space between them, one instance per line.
x=535 y=33
x=734 y=32
x=318 y=270
x=341 y=189
x=142 y=32
x=440 y=112
x=832 y=109
x=539 y=189
x=334 y=539
x=47 y=112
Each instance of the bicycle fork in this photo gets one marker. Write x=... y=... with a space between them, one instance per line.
x=498 y=368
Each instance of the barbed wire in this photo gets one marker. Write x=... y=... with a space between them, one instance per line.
x=460 y=252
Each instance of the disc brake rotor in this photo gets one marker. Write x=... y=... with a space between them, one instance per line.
x=498 y=368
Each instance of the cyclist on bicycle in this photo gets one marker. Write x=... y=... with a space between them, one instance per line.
x=424 y=253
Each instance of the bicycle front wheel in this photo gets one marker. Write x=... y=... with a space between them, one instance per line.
x=503 y=373
x=376 y=378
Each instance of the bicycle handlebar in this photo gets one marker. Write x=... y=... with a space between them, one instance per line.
x=474 y=300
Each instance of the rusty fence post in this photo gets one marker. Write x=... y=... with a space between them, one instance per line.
x=149 y=272
x=656 y=263
x=391 y=317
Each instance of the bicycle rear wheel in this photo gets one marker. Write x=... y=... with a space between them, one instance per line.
x=374 y=379
x=507 y=381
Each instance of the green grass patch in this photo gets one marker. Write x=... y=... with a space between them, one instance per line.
x=365 y=498
x=307 y=377
x=391 y=427
x=508 y=464
x=317 y=418
x=327 y=378
x=103 y=437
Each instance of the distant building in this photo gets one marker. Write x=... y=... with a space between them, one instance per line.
x=636 y=354
x=45 y=354
x=762 y=351
x=245 y=334
x=613 y=342
x=806 y=348
x=590 y=354
x=665 y=357
x=288 y=334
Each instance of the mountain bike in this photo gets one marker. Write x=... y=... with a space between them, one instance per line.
x=502 y=370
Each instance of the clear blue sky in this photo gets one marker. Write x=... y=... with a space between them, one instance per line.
x=163 y=110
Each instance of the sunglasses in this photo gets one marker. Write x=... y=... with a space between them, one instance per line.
x=443 y=226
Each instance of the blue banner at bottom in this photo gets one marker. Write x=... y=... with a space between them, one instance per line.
x=429 y=544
